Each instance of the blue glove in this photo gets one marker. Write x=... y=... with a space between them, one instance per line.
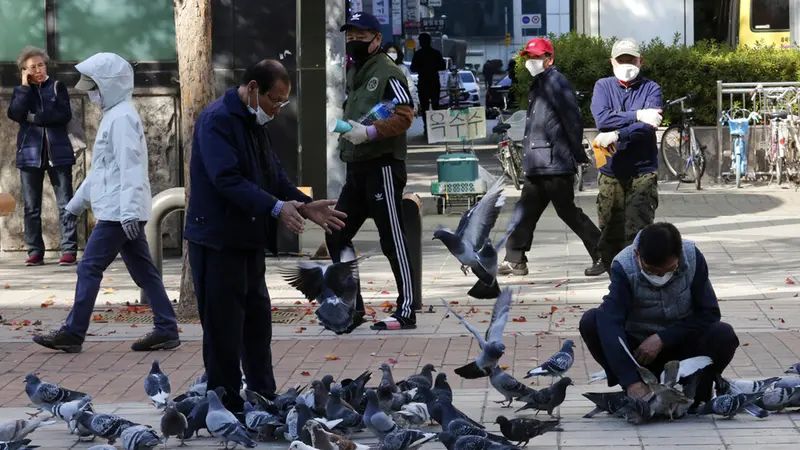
x=131 y=229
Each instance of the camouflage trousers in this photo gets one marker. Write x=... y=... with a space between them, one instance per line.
x=624 y=207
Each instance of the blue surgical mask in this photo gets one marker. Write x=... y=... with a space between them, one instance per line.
x=262 y=118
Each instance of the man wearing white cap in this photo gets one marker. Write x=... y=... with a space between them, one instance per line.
x=627 y=111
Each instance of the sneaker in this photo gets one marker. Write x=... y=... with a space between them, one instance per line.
x=509 y=268
x=59 y=340
x=68 y=259
x=598 y=268
x=34 y=260
x=155 y=341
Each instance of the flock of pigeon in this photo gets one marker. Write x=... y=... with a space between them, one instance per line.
x=325 y=416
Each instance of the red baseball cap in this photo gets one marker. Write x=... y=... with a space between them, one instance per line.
x=538 y=47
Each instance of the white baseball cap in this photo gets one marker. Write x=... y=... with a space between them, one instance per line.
x=625 y=46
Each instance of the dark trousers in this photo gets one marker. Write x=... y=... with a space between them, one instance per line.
x=236 y=316
x=428 y=98
x=718 y=342
x=32 y=179
x=624 y=207
x=537 y=193
x=375 y=189
x=106 y=241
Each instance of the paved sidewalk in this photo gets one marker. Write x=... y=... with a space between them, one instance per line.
x=748 y=237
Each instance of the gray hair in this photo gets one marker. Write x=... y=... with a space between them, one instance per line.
x=30 y=52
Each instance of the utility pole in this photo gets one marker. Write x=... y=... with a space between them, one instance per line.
x=794 y=24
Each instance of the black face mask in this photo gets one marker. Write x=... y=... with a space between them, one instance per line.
x=358 y=50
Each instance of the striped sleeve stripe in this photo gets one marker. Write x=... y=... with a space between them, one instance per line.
x=400 y=92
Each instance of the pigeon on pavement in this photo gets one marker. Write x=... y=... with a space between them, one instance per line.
x=139 y=437
x=334 y=286
x=461 y=427
x=387 y=379
x=492 y=347
x=300 y=445
x=350 y=420
x=197 y=389
x=15 y=430
x=729 y=405
x=452 y=442
x=508 y=386
x=255 y=419
x=288 y=399
x=548 y=398
x=441 y=410
x=42 y=392
x=223 y=424
x=403 y=439
x=470 y=243
x=353 y=390
x=727 y=386
x=794 y=368
x=197 y=416
x=376 y=420
x=556 y=365
x=412 y=414
x=156 y=386
x=173 y=423
x=634 y=410
x=17 y=445
x=325 y=440
x=777 y=399
x=609 y=402
x=423 y=379
x=65 y=411
x=523 y=429
x=441 y=388
x=105 y=426
x=102 y=447
x=393 y=402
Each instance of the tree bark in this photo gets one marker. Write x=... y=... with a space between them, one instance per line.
x=196 y=73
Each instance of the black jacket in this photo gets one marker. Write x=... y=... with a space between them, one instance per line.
x=553 y=140
x=427 y=62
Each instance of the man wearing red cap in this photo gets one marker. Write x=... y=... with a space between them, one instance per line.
x=552 y=149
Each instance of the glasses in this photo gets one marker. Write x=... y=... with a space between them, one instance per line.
x=38 y=66
x=276 y=104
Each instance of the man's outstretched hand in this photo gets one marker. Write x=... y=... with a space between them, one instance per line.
x=321 y=212
x=290 y=215
x=648 y=350
x=638 y=390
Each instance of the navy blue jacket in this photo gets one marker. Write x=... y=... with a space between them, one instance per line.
x=614 y=107
x=611 y=315
x=230 y=203
x=52 y=113
x=553 y=140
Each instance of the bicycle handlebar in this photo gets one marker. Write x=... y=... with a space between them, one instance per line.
x=726 y=116
x=686 y=98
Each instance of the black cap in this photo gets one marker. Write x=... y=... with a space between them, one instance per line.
x=362 y=21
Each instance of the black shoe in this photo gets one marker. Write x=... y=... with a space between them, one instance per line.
x=60 y=340
x=509 y=268
x=598 y=268
x=155 y=340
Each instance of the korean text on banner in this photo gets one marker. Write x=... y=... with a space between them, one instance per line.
x=456 y=125
x=397 y=17
x=380 y=9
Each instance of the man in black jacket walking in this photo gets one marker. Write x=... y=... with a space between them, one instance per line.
x=427 y=63
x=553 y=147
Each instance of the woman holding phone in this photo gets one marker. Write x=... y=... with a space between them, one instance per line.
x=40 y=105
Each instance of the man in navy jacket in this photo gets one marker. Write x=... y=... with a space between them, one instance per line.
x=239 y=192
x=553 y=147
x=627 y=111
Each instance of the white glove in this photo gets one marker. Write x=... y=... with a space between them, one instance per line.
x=649 y=116
x=606 y=139
x=358 y=135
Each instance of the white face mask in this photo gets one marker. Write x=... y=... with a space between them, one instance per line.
x=95 y=97
x=535 y=66
x=656 y=280
x=392 y=55
x=625 y=72
x=262 y=118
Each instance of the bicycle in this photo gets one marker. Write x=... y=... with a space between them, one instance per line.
x=782 y=135
x=739 y=127
x=681 y=138
x=509 y=154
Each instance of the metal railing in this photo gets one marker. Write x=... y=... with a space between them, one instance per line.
x=730 y=95
x=164 y=203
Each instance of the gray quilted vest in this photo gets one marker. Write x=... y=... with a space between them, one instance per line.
x=656 y=308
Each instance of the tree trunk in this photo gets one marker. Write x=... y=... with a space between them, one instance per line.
x=195 y=70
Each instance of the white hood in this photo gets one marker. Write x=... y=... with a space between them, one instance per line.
x=113 y=75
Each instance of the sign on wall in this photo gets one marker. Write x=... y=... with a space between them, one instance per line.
x=531 y=21
x=397 y=17
x=356 y=6
x=380 y=9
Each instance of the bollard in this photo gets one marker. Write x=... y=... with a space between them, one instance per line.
x=7 y=204
x=412 y=218
x=170 y=200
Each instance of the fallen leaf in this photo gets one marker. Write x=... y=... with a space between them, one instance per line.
x=483 y=321
x=298 y=302
x=562 y=319
x=385 y=305
x=108 y=291
x=332 y=358
x=473 y=310
x=782 y=321
x=97 y=317
x=108 y=303
x=309 y=311
x=391 y=361
x=52 y=296
x=557 y=285
x=274 y=308
x=48 y=303
x=133 y=325
x=313 y=321
x=548 y=299
x=519 y=319
x=26 y=322
x=453 y=302
x=180 y=330
x=503 y=367
x=531 y=282
x=745 y=344
x=305 y=374
x=300 y=330
x=410 y=354
x=771 y=307
x=45 y=287
x=385 y=292
x=789 y=280
x=539 y=333
x=6 y=286
x=370 y=282
x=313 y=303
x=553 y=309
x=521 y=302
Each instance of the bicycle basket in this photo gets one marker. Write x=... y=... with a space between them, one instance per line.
x=739 y=127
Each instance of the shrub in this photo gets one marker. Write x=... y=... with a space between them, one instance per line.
x=679 y=69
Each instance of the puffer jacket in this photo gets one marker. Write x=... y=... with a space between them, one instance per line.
x=49 y=104
x=554 y=127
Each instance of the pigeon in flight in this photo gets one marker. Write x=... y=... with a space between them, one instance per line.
x=492 y=347
x=688 y=367
x=471 y=245
x=334 y=286
x=156 y=386
x=42 y=392
x=224 y=425
x=556 y=365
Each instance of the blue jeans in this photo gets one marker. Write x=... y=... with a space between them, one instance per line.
x=32 y=179
x=106 y=241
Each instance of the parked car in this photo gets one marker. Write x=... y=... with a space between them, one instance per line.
x=498 y=96
x=471 y=96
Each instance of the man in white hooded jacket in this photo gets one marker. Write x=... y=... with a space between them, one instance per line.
x=117 y=189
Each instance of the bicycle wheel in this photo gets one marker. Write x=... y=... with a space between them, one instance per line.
x=675 y=151
x=515 y=168
x=738 y=162
x=779 y=169
x=698 y=160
